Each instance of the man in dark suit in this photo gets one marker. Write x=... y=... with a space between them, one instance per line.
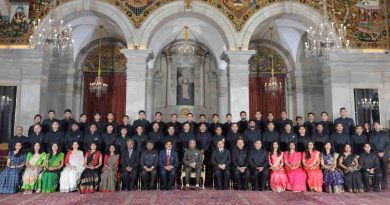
x=168 y=162
x=240 y=166
x=258 y=162
x=221 y=161
x=129 y=165
x=149 y=163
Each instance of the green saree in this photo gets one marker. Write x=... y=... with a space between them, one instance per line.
x=49 y=179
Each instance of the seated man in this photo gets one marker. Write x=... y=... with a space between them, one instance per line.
x=221 y=161
x=168 y=162
x=258 y=163
x=240 y=165
x=129 y=164
x=192 y=160
x=369 y=163
x=149 y=163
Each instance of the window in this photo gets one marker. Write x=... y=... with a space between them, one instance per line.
x=7 y=112
x=366 y=106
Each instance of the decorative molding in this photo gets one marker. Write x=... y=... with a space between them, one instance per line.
x=260 y=63
x=112 y=60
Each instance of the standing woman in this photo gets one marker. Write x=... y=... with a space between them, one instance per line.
x=295 y=174
x=349 y=163
x=311 y=163
x=9 y=178
x=89 y=180
x=333 y=177
x=278 y=180
x=110 y=171
x=74 y=166
x=54 y=162
x=34 y=165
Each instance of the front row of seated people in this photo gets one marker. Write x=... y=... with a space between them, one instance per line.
x=290 y=170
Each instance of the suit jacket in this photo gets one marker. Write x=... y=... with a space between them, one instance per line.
x=162 y=161
x=218 y=158
x=132 y=162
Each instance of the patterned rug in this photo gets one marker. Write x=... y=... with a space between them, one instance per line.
x=212 y=197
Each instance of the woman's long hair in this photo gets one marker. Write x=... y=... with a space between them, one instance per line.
x=51 y=150
x=21 y=151
x=307 y=151
x=32 y=151
x=331 y=148
x=278 y=152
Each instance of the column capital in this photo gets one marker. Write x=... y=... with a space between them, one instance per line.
x=237 y=57
x=138 y=55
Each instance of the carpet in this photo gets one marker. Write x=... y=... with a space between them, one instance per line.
x=212 y=197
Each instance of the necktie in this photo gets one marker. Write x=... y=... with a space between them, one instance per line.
x=168 y=159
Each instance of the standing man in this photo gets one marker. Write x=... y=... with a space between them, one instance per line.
x=126 y=124
x=221 y=161
x=251 y=134
x=233 y=136
x=37 y=120
x=310 y=124
x=228 y=124
x=380 y=142
x=258 y=163
x=190 y=120
x=347 y=122
x=129 y=164
x=168 y=162
x=261 y=124
x=158 y=119
x=55 y=135
x=328 y=125
x=283 y=121
x=177 y=125
x=339 y=138
x=192 y=160
x=299 y=123
x=214 y=124
x=243 y=123
x=66 y=123
x=46 y=124
x=141 y=121
x=240 y=166
x=149 y=163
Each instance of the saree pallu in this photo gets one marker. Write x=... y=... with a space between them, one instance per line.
x=109 y=176
x=353 y=180
x=296 y=177
x=70 y=176
x=49 y=179
x=333 y=180
x=10 y=177
x=314 y=176
x=278 y=179
x=89 y=180
x=31 y=174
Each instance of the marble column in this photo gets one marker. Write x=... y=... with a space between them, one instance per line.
x=238 y=75
x=150 y=93
x=136 y=80
x=223 y=94
x=33 y=88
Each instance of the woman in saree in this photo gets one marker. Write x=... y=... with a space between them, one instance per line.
x=74 y=166
x=10 y=177
x=295 y=174
x=311 y=164
x=49 y=178
x=278 y=180
x=34 y=166
x=333 y=177
x=348 y=162
x=110 y=171
x=89 y=180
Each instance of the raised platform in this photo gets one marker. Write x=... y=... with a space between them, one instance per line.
x=198 y=197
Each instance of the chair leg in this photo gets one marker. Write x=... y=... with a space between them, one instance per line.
x=213 y=182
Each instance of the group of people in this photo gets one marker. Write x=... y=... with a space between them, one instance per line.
x=258 y=154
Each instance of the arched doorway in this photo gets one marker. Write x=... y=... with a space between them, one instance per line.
x=260 y=73
x=113 y=65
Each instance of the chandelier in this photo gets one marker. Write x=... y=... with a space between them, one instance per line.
x=368 y=104
x=5 y=101
x=53 y=38
x=273 y=86
x=186 y=48
x=98 y=86
x=323 y=40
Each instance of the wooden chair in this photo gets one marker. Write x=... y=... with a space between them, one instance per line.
x=3 y=155
x=193 y=175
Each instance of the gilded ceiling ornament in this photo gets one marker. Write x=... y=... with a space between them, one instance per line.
x=261 y=61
